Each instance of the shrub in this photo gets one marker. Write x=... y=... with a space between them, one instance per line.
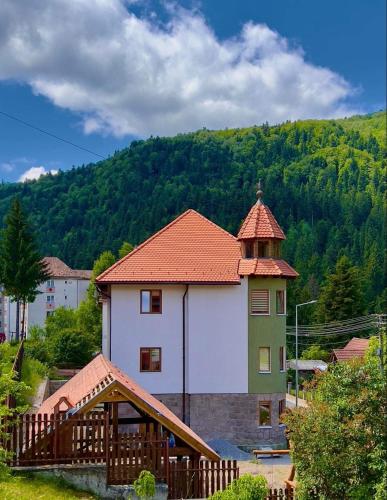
x=247 y=487
x=33 y=371
x=37 y=346
x=71 y=348
x=145 y=485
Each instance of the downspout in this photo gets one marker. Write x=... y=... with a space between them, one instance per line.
x=184 y=357
x=106 y=295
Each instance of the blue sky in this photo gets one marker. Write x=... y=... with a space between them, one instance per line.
x=99 y=76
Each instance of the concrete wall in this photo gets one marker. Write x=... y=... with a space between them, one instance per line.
x=216 y=337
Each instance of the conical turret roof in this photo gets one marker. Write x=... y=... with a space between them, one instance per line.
x=260 y=223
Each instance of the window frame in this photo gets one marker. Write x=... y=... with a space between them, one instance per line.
x=267 y=290
x=282 y=358
x=263 y=403
x=150 y=301
x=284 y=302
x=281 y=406
x=142 y=349
x=259 y=359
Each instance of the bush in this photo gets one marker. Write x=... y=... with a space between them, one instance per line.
x=71 y=348
x=33 y=371
x=145 y=485
x=36 y=346
x=247 y=487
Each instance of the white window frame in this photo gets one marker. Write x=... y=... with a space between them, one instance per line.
x=269 y=298
x=259 y=359
x=50 y=299
x=285 y=304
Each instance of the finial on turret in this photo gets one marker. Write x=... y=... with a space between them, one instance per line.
x=259 y=192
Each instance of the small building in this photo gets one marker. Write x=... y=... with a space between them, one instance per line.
x=356 y=348
x=66 y=287
x=198 y=317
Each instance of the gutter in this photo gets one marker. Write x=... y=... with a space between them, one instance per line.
x=184 y=358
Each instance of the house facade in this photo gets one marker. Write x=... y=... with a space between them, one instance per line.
x=65 y=288
x=198 y=318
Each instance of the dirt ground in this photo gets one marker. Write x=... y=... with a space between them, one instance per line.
x=276 y=470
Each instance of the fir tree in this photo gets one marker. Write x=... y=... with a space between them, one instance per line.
x=342 y=294
x=22 y=268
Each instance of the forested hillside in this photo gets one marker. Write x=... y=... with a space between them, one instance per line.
x=323 y=180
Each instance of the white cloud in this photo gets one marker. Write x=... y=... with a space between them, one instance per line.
x=131 y=75
x=34 y=173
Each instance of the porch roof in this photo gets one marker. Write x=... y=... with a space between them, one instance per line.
x=95 y=384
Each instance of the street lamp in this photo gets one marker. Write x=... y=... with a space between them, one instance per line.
x=297 y=306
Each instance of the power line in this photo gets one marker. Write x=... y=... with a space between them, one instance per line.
x=50 y=134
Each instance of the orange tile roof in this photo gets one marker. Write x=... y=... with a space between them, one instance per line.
x=266 y=267
x=355 y=348
x=260 y=223
x=191 y=249
x=84 y=387
x=58 y=269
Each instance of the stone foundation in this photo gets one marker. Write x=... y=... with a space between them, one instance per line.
x=229 y=416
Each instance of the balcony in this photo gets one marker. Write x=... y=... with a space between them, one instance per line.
x=50 y=289
x=50 y=305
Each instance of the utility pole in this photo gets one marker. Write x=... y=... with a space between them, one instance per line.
x=297 y=306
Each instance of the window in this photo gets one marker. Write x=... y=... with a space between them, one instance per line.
x=264 y=413
x=264 y=361
x=280 y=301
x=150 y=359
x=263 y=249
x=281 y=406
x=50 y=283
x=282 y=358
x=49 y=313
x=249 y=249
x=260 y=302
x=150 y=301
x=50 y=299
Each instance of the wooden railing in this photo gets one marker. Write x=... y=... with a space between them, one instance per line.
x=200 y=478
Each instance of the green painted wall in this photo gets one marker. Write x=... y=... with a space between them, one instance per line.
x=266 y=331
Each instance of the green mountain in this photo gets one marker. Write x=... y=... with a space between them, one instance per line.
x=323 y=180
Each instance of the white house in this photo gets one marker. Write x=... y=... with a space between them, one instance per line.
x=66 y=287
x=198 y=317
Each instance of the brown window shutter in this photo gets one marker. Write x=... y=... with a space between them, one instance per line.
x=260 y=302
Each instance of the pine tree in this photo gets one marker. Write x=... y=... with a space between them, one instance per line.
x=342 y=294
x=22 y=268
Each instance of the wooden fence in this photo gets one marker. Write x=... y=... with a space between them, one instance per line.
x=200 y=478
x=55 y=439
x=129 y=454
x=281 y=494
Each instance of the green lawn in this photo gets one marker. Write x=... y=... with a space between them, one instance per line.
x=30 y=487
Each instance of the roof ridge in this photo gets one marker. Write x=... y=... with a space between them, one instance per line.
x=139 y=247
x=155 y=235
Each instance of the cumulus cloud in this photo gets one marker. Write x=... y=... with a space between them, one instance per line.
x=130 y=75
x=34 y=173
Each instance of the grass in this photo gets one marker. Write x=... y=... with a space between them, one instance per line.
x=33 y=372
x=29 y=486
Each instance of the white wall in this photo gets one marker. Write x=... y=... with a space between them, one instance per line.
x=216 y=337
x=68 y=292
x=132 y=330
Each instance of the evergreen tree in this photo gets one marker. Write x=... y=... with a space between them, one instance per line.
x=125 y=249
x=342 y=294
x=22 y=269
